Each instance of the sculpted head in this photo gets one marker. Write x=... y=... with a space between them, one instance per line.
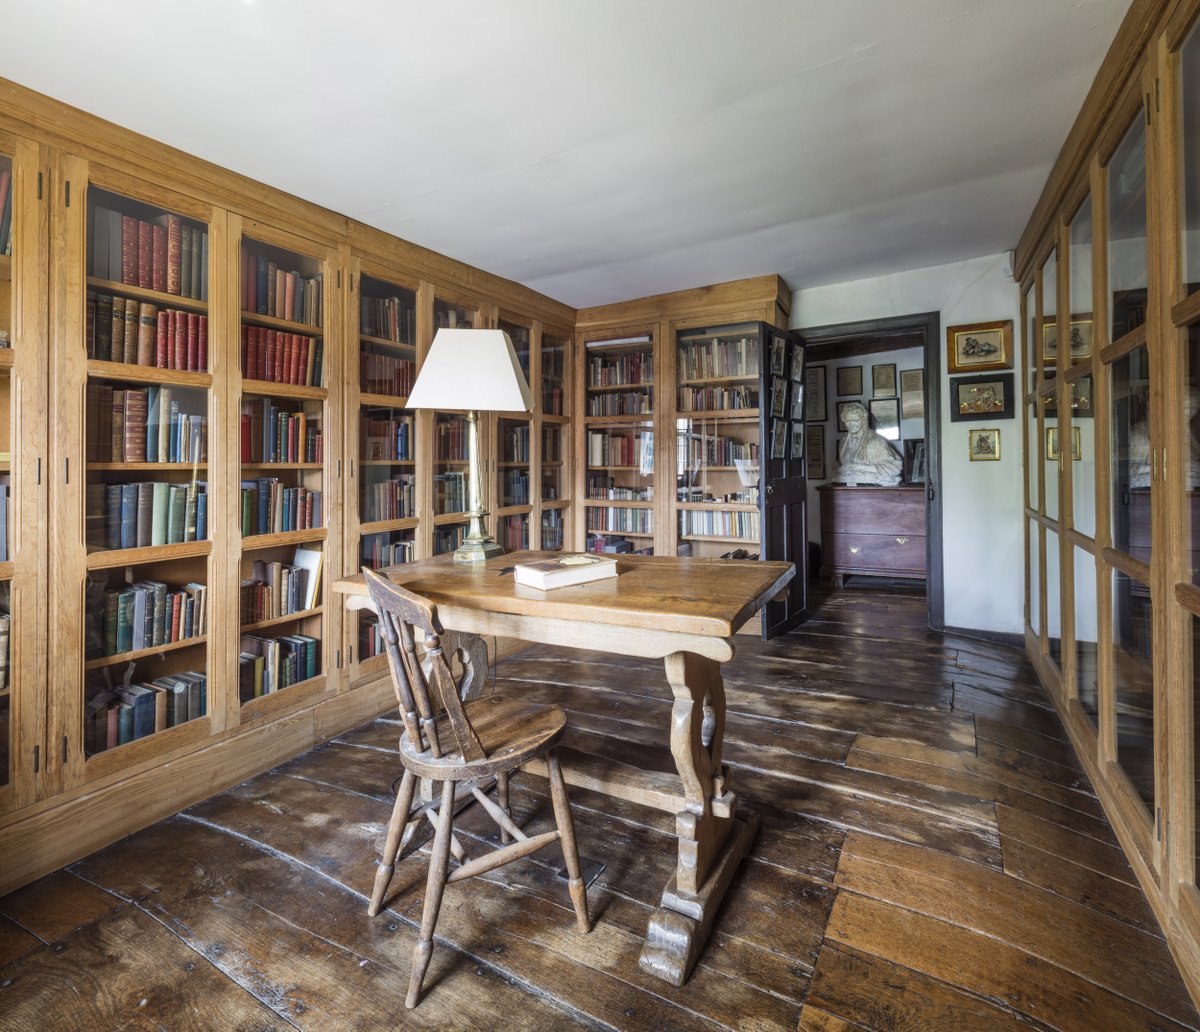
x=855 y=417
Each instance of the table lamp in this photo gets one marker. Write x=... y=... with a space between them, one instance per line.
x=472 y=370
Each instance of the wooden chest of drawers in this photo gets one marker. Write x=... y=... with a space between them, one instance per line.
x=872 y=530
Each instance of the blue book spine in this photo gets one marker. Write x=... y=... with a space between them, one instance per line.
x=264 y=505
x=129 y=495
x=202 y=516
x=112 y=516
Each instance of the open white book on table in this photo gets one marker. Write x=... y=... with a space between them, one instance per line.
x=564 y=570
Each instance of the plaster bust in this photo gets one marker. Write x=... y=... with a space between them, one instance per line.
x=865 y=457
x=1139 y=446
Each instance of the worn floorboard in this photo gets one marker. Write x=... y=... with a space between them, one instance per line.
x=931 y=857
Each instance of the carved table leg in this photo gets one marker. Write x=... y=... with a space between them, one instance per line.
x=712 y=840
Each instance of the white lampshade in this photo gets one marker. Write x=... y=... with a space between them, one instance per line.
x=471 y=369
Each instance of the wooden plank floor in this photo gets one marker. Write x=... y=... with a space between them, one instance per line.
x=931 y=857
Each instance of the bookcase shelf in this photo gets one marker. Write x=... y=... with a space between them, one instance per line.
x=109 y=558
x=283 y=465
x=276 y=621
x=640 y=417
x=383 y=526
x=157 y=297
x=270 y=322
x=271 y=389
x=146 y=467
x=597 y=388
x=717 y=538
x=383 y=342
x=450 y=517
x=387 y=462
x=739 y=378
x=135 y=373
x=618 y=503
x=717 y=507
x=130 y=657
x=383 y=400
x=720 y=415
x=286 y=537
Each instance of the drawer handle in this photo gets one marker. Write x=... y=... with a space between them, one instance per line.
x=854 y=549
x=902 y=541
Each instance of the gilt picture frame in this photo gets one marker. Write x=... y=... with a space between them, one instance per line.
x=979 y=347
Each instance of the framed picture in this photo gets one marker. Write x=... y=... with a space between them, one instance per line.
x=1052 y=444
x=797 y=437
x=1081 y=400
x=778 y=438
x=778 y=355
x=778 y=396
x=797 y=372
x=849 y=381
x=883 y=381
x=983 y=445
x=1081 y=340
x=842 y=406
x=885 y=415
x=912 y=394
x=981 y=397
x=979 y=347
x=914 y=461
x=798 y=401
x=815 y=464
x=817 y=411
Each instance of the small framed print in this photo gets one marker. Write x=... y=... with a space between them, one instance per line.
x=841 y=410
x=883 y=381
x=797 y=372
x=817 y=410
x=912 y=394
x=778 y=438
x=1052 y=444
x=796 y=449
x=981 y=397
x=798 y=401
x=849 y=381
x=983 y=445
x=1081 y=339
x=778 y=396
x=885 y=415
x=914 y=461
x=1081 y=400
x=778 y=355
x=815 y=463
x=979 y=347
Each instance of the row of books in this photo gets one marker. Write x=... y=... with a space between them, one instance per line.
x=144 y=424
x=370 y=638
x=277 y=588
x=5 y=211
x=269 y=433
x=609 y=448
x=719 y=451
x=116 y=715
x=380 y=550
x=5 y=487
x=550 y=481
x=717 y=399
x=169 y=255
x=389 y=318
x=280 y=293
x=552 y=397
x=280 y=357
x=448 y=537
x=620 y=403
x=386 y=374
x=148 y=614
x=514 y=533
x=633 y=367
x=615 y=544
x=620 y=521
x=387 y=439
x=514 y=487
x=393 y=499
x=607 y=492
x=552 y=443
x=706 y=360
x=145 y=514
x=268 y=507
x=552 y=529
x=266 y=665
x=449 y=492
x=451 y=443
x=120 y=329
x=719 y=523
x=514 y=443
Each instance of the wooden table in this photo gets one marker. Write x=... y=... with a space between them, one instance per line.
x=683 y=611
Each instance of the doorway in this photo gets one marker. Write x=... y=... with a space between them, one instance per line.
x=912 y=339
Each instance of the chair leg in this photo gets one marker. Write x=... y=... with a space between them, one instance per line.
x=434 y=887
x=566 y=831
x=502 y=799
x=395 y=832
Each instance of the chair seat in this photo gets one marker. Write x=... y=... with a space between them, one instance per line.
x=510 y=731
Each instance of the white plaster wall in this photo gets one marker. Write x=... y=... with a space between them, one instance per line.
x=982 y=502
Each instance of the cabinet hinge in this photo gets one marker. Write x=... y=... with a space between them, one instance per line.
x=339 y=469
x=39 y=186
x=350 y=655
x=64 y=756
x=66 y=471
x=39 y=471
x=339 y=277
x=37 y=759
x=339 y=659
x=1147 y=108
x=350 y=281
x=1156 y=107
x=67 y=192
x=1158 y=831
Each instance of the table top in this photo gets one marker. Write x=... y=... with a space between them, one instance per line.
x=711 y=597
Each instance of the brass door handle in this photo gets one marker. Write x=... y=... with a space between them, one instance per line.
x=854 y=549
x=902 y=541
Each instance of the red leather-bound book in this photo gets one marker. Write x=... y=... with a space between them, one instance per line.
x=202 y=354
x=181 y=340
x=161 y=337
x=305 y=364
x=158 y=234
x=146 y=333
x=247 y=372
x=289 y=362
x=176 y=604
x=297 y=358
x=289 y=296
x=145 y=265
x=172 y=226
x=193 y=340
x=129 y=250
x=253 y=354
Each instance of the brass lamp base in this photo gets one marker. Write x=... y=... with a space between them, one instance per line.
x=477 y=547
x=477 y=551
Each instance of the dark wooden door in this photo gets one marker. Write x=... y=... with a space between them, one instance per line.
x=784 y=495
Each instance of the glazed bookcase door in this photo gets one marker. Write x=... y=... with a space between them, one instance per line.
x=448 y=437
x=285 y=524
x=383 y=486
x=551 y=393
x=137 y=471
x=24 y=239
x=514 y=436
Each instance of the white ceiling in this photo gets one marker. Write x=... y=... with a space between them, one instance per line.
x=607 y=149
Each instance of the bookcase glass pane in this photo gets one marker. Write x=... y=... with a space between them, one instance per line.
x=376 y=552
x=552 y=462
x=1034 y=546
x=447 y=315
x=387 y=461
x=1031 y=339
x=6 y=686
x=387 y=338
x=1133 y=687
x=1083 y=461
x=1033 y=458
x=1049 y=334
x=448 y=536
x=1080 y=320
x=512 y=467
x=1194 y=657
x=1086 y=634
x=1189 y=158
x=1127 y=231
x=450 y=464
x=282 y=313
x=1129 y=422
x=6 y=251
x=1191 y=417
x=144 y=632
x=554 y=357
x=552 y=529
x=1052 y=446
x=1053 y=600
x=282 y=464
x=519 y=335
x=514 y=532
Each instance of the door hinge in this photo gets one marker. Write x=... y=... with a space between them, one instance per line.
x=39 y=471
x=37 y=759
x=1156 y=107
x=66 y=471
x=339 y=659
x=39 y=186
x=67 y=192
x=1158 y=830
x=339 y=277
x=350 y=282
x=339 y=468
x=1147 y=108
x=931 y=494
x=350 y=655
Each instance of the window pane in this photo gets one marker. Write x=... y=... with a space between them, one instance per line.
x=1031 y=338
x=1132 y=684
x=1191 y=413
x=1085 y=633
x=1051 y=449
x=1049 y=314
x=1130 y=418
x=1083 y=452
x=1033 y=465
x=1127 y=231
x=1053 y=600
x=1189 y=179
x=1035 y=597
x=1080 y=327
